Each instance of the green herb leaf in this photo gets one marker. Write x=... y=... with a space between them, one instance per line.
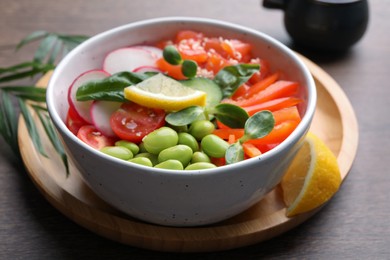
x=52 y=134
x=15 y=68
x=34 y=36
x=8 y=121
x=54 y=53
x=230 y=115
x=27 y=92
x=234 y=153
x=45 y=47
x=259 y=125
x=231 y=77
x=185 y=116
x=48 y=52
x=26 y=74
x=110 y=88
x=31 y=127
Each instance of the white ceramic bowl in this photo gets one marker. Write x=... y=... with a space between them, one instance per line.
x=170 y=197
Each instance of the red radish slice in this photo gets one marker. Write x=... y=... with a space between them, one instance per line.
x=101 y=112
x=128 y=59
x=157 y=52
x=143 y=69
x=83 y=107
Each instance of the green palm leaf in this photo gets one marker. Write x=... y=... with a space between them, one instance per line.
x=51 y=48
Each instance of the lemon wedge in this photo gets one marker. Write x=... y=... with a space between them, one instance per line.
x=312 y=178
x=160 y=91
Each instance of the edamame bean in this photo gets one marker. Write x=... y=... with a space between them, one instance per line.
x=179 y=129
x=180 y=152
x=200 y=166
x=142 y=161
x=160 y=139
x=170 y=165
x=201 y=128
x=151 y=157
x=214 y=146
x=200 y=157
x=119 y=152
x=142 y=148
x=129 y=145
x=189 y=140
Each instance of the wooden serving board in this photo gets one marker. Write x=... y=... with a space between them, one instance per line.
x=334 y=122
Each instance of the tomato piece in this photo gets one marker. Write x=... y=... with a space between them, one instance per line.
x=188 y=34
x=286 y=114
x=262 y=84
x=278 y=89
x=264 y=71
x=243 y=48
x=251 y=150
x=91 y=136
x=224 y=133
x=192 y=50
x=273 y=105
x=172 y=70
x=229 y=49
x=215 y=62
x=213 y=45
x=241 y=91
x=132 y=121
x=278 y=134
x=218 y=161
x=73 y=121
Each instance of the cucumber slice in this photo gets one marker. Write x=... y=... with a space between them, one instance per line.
x=213 y=91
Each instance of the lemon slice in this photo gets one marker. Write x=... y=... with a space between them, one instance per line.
x=160 y=91
x=312 y=178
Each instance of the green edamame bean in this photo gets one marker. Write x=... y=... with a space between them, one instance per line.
x=214 y=146
x=150 y=156
x=142 y=161
x=200 y=166
x=200 y=157
x=160 y=139
x=129 y=145
x=142 y=148
x=118 y=152
x=170 y=165
x=180 y=152
x=189 y=140
x=201 y=128
x=179 y=129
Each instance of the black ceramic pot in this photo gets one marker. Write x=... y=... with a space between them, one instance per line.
x=324 y=24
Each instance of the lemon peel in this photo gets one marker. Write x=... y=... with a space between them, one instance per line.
x=162 y=92
x=312 y=178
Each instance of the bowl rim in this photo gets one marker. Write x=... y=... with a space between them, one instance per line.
x=300 y=130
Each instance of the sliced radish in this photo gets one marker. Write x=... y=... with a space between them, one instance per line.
x=128 y=59
x=143 y=69
x=83 y=107
x=157 y=52
x=101 y=112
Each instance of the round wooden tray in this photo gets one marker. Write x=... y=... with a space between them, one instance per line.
x=334 y=122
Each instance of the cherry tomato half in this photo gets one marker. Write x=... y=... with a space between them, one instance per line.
x=132 y=122
x=73 y=121
x=91 y=136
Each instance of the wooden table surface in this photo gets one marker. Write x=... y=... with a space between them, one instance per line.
x=355 y=225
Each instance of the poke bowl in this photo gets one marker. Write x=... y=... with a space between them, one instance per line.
x=181 y=190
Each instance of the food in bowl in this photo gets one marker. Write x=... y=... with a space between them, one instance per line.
x=166 y=196
x=192 y=102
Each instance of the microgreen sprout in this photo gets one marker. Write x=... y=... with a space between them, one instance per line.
x=257 y=126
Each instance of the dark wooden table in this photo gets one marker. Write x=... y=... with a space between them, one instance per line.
x=355 y=225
